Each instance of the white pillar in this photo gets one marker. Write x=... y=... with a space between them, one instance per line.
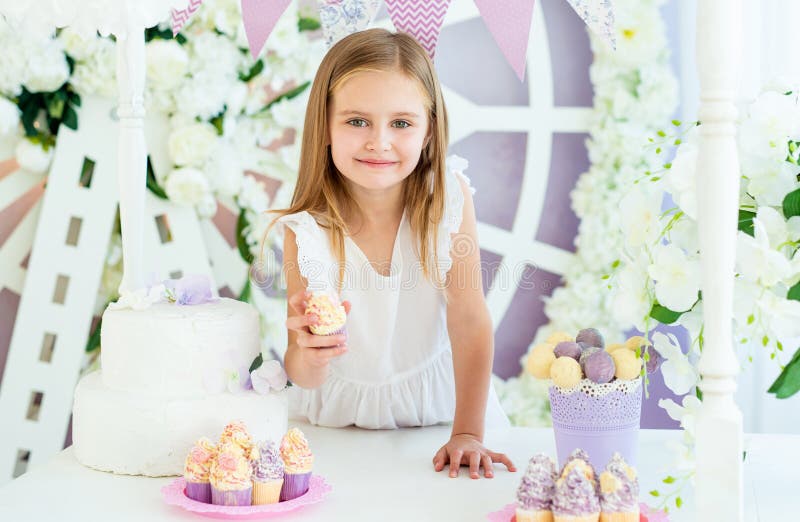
x=132 y=154
x=719 y=423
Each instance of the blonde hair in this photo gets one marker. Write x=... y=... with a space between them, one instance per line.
x=321 y=190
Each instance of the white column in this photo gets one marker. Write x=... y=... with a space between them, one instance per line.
x=719 y=423
x=132 y=154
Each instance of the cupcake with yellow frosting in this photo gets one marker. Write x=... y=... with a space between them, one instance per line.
x=231 y=477
x=196 y=470
x=268 y=469
x=331 y=315
x=297 y=461
x=236 y=433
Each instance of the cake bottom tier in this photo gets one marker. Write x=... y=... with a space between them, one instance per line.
x=138 y=434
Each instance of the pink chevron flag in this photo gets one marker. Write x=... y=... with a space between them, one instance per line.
x=510 y=25
x=260 y=17
x=422 y=19
x=181 y=16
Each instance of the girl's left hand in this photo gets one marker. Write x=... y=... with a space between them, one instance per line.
x=468 y=450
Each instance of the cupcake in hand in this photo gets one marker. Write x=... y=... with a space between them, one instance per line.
x=267 y=466
x=231 y=477
x=535 y=493
x=196 y=470
x=575 y=499
x=619 y=492
x=297 y=461
x=331 y=314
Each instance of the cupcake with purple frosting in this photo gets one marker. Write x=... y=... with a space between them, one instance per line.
x=575 y=499
x=267 y=466
x=196 y=470
x=619 y=492
x=535 y=493
x=579 y=459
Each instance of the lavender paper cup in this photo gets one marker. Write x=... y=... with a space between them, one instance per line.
x=199 y=491
x=294 y=485
x=598 y=421
x=236 y=497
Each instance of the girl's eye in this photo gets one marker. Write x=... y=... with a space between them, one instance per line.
x=401 y=124
x=357 y=122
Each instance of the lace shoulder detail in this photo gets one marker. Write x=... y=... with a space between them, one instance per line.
x=314 y=257
x=453 y=211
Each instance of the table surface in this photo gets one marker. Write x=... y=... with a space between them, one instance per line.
x=388 y=475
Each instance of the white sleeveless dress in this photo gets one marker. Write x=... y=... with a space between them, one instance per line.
x=398 y=370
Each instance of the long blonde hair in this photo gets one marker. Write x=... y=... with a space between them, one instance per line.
x=321 y=190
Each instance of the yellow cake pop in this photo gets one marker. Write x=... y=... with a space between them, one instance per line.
x=637 y=341
x=614 y=346
x=566 y=372
x=628 y=365
x=538 y=362
x=556 y=337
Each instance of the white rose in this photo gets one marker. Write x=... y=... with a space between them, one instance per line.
x=207 y=207
x=167 y=63
x=192 y=144
x=48 y=69
x=186 y=186
x=9 y=116
x=32 y=157
x=224 y=171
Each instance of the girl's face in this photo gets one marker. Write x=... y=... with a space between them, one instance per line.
x=377 y=125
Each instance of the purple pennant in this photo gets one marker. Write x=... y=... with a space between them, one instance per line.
x=181 y=16
x=422 y=19
x=510 y=25
x=598 y=16
x=260 y=17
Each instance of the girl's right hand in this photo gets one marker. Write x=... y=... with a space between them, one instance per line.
x=315 y=350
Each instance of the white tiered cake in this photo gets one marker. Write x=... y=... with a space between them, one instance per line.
x=163 y=385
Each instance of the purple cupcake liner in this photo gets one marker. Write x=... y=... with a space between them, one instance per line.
x=294 y=485
x=199 y=491
x=340 y=331
x=236 y=497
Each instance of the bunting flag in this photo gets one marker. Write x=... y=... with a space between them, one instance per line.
x=422 y=19
x=260 y=17
x=510 y=25
x=181 y=16
x=599 y=16
x=340 y=18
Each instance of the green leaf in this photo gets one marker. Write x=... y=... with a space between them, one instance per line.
x=750 y=319
x=254 y=71
x=55 y=106
x=678 y=502
x=677 y=123
x=668 y=480
x=794 y=293
x=257 y=362
x=746 y=222
x=152 y=183
x=655 y=493
x=93 y=343
x=308 y=24
x=788 y=382
x=615 y=264
x=664 y=315
x=245 y=295
x=241 y=242
x=791 y=204
x=288 y=95
x=70 y=118
x=698 y=393
x=217 y=121
x=75 y=98
x=661 y=133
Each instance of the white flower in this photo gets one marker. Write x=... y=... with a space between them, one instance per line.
x=140 y=299
x=782 y=317
x=772 y=120
x=677 y=277
x=757 y=261
x=9 y=117
x=681 y=180
x=32 y=156
x=167 y=63
x=632 y=300
x=679 y=374
x=684 y=234
x=770 y=180
x=48 y=69
x=253 y=195
x=237 y=97
x=186 y=186
x=96 y=73
x=193 y=144
x=686 y=413
x=639 y=217
x=269 y=376
x=224 y=171
x=207 y=207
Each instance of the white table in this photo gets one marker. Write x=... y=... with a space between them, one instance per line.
x=388 y=475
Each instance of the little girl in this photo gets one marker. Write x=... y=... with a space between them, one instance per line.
x=379 y=220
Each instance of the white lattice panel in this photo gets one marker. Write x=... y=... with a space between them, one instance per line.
x=60 y=289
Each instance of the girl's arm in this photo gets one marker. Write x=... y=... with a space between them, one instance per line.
x=307 y=355
x=470 y=328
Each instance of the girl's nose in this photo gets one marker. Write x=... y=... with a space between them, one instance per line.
x=379 y=141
